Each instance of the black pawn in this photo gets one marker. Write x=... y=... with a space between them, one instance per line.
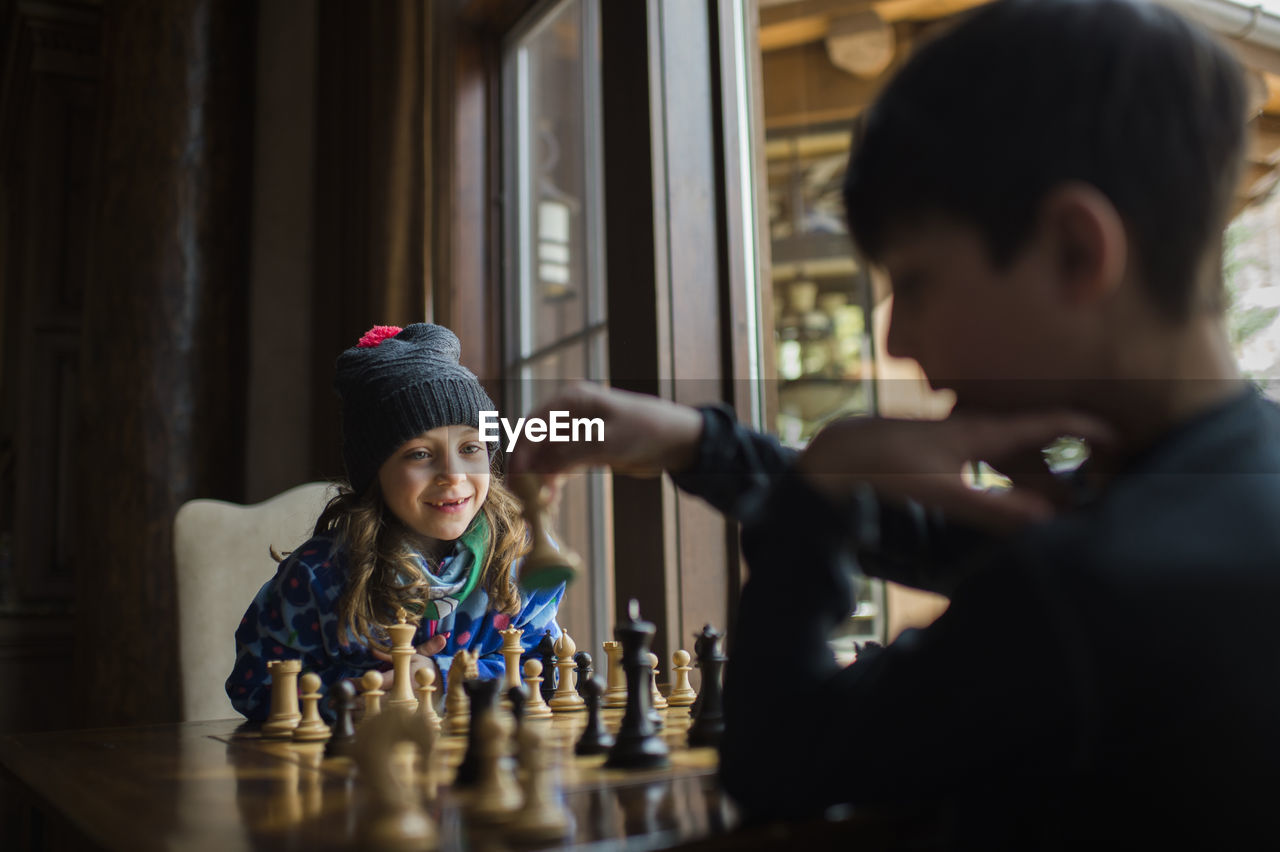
x=343 y=701
x=583 y=659
x=637 y=745
x=546 y=650
x=518 y=696
x=708 y=719
x=595 y=739
x=481 y=694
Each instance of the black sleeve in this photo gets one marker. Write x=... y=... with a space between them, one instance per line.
x=736 y=467
x=967 y=701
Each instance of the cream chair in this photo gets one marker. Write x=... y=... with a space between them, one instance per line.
x=222 y=555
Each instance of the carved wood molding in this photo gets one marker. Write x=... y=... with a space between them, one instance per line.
x=44 y=38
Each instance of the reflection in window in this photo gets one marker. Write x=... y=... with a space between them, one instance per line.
x=822 y=308
x=822 y=296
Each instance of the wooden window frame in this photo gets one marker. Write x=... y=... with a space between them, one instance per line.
x=674 y=245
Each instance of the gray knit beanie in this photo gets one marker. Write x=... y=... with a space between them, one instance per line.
x=397 y=383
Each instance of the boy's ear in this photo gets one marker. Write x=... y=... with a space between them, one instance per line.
x=1088 y=239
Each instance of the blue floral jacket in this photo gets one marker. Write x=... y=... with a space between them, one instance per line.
x=294 y=616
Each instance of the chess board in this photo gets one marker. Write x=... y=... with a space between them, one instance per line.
x=645 y=809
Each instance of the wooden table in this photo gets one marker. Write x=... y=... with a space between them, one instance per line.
x=208 y=785
x=219 y=786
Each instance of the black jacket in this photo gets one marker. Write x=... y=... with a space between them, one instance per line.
x=1107 y=678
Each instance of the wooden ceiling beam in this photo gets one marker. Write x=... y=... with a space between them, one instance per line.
x=1271 y=102
x=922 y=10
x=1264 y=140
x=802 y=87
x=792 y=24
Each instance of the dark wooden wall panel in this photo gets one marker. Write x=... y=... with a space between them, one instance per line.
x=372 y=204
x=49 y=70
x=164 y=343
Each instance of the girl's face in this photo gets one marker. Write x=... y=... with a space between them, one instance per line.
x=435 y=483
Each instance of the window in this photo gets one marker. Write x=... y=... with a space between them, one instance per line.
x=820 y=66
x=553 y=289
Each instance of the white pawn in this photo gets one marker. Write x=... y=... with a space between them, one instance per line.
x=312 y=728
x=542 y=818
x=284 y=699
x=426 y=677
x=659 y=703
x=372 y=694
x=682 y=694
x=566 y=698
x=535 y=707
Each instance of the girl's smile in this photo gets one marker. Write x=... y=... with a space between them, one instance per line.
x=450 y=505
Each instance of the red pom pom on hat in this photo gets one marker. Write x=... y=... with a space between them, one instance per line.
x=374 y=336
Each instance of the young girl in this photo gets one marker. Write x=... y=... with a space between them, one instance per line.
x=424 y=526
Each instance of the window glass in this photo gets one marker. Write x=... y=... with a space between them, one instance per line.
x=552 y=289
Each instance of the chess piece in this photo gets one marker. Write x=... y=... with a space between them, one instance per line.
x=582 y=671
x=659 y=703
x=615 y=694
x=566 y=699
x=371 y=692
x=651 y=681
x=595 y=739
x=456 y=713
x=511 y=651
x=517 y=697
x=637 y=745
x=496 y=795
x=545 y=567
x=402 y=652
x=546 y=650
x=640 y=804
x=312 y=728
x=535 y=707
x=542 y=817
x=426 y=678
x=708 y=719
x=682 y=694
x=481 y=695
x=284 y=715
x=342 y=699
x=396 y=819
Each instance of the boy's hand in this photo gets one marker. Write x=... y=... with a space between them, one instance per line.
x=643 y=435
x=923 y=461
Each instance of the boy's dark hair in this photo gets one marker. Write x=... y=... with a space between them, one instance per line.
x=1022 y=95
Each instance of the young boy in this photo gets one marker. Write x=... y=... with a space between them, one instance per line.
x=1046 y=185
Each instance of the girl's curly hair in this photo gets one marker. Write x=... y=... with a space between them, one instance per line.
x=384 y=573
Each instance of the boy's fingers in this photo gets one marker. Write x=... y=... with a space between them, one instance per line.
x=380 y=654
x=997 y=511
x=990 y=437
x=548 y=458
